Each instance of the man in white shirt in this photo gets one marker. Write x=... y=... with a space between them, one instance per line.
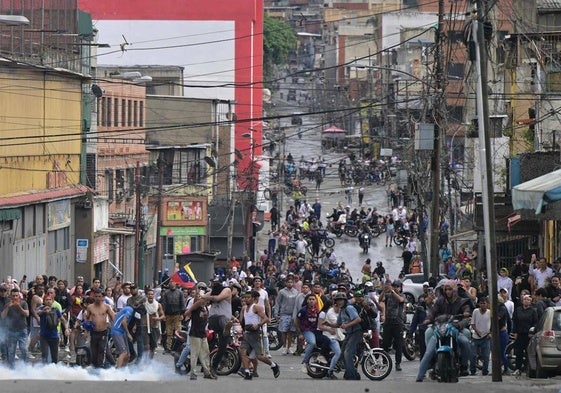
x=540 y=275
x=481 y=327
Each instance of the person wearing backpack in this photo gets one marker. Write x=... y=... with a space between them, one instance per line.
x=394 y=320
x=48 y=323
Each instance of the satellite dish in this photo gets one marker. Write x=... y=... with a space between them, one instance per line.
x=97 y=91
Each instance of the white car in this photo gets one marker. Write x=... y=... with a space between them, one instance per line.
x=412 y=286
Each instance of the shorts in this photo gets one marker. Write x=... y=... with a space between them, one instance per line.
x=121 y=344
x=151 y=338
x=253 y=341
x=286 y=323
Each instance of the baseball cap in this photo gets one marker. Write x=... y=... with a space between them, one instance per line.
x=503 y=290
x=426 y=284
x=396 y=283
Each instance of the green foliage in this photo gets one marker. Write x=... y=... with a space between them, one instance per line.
x=279 y=39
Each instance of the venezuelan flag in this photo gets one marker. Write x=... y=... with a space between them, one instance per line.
x=184 y=277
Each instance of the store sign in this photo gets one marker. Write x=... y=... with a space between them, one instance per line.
x=82 y=250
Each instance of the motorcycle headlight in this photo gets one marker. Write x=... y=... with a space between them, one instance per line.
x=442 y=329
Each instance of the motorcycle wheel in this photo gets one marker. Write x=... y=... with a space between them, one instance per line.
x=275 y=342
x=376 y=364
x=444 y=365
x=409 y=348
x=186 y=364
x=511 y=356
x=230 y=363
x=329 y=242
x=351 y=231
x=83 y=360
x=317 y=372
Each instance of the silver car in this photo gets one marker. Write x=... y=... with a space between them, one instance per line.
x=544 y=349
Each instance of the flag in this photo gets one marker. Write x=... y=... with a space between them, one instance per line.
x=184 y=277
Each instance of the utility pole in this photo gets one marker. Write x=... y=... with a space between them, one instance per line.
x=137 y=236
x=435 y=162
x=487 y=173
x=159 y=209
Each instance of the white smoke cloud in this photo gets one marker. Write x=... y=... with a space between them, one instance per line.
x=26 y=371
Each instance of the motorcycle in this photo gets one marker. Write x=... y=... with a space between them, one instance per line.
x=82 y=345
x=447 y=368
x=231 y=361
x=364 y=241
x=275 y=342
x=336 y=228
x=376 y=364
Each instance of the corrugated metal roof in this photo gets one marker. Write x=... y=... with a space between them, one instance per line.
x=549 y=4
x=30 y=198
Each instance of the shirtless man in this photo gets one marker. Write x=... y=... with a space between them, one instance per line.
x=99 y=313
x=34 y=321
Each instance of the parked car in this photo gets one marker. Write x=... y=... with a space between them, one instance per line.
x=544 y=349
x=413 y=286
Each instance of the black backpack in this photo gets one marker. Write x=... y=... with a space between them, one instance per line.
x=366 y=321
x=51 y=320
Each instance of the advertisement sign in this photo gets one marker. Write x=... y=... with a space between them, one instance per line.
x=185 y=212
x=58 y=214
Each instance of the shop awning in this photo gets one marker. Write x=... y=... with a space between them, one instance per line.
x=536 y=193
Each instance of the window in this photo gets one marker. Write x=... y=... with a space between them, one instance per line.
x=109 y=111
x=455 y=36
x=135 y=113
x=455 y=113
x=130 y=187
x=141 y=114
x=455 y=71
x=129 y=114
x=59 y=240
x=109 y=185
x=188 y=167
x=102 y=111
x=116 y=117
x=123 y=112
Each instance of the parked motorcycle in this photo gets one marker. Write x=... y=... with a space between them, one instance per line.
x=376 y=364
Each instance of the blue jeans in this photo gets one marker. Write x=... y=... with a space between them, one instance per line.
x=430 y=352
x=184 y=353
x=16 y=339
x=310 y=338
x=482 y=348
x=336 y=349
x=351 y=344
x=503 y=337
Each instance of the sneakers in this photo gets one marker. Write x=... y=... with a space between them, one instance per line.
x=31 y=356
x=330 y=375
x=247 y=375
x=506 y=372
x=304 y=368
x=193 y=377
x=419 y=380
x=286 y=351
x=210 y=375
x=254 y=374
x=464 y=373
x=397 y=367
x=276 y=370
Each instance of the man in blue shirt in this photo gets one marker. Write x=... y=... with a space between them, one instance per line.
x=349 y=320
x=120 y=331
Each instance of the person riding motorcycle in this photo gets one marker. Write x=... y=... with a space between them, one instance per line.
x=448 y=303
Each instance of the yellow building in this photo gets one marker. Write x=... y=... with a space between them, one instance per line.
x=41 y=137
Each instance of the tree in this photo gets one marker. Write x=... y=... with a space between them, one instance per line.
x=279 y=40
